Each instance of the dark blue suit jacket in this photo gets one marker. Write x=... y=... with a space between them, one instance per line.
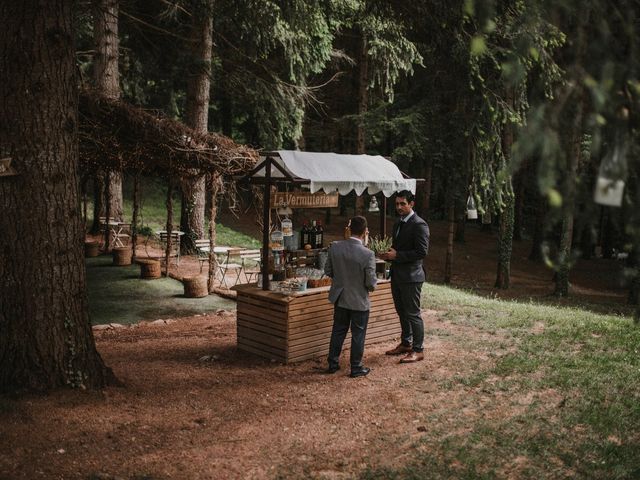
x=411 y=245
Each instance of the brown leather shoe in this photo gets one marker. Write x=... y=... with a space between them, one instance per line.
x=400 y=349
x=412 y=357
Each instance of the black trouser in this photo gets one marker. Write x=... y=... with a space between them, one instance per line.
x=343 y=318
x=406 y=298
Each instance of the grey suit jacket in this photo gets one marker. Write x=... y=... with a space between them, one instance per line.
x=411 y=245
x=352 y=267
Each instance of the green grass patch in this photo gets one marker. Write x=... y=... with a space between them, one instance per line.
x=580 y=372
x=153 y=212
x=118 y=295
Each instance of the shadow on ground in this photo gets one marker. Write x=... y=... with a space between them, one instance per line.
x=118 y=295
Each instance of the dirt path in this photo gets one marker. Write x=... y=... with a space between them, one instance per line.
x=194 y=407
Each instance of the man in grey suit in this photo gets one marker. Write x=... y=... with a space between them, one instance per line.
x=352 y=267
x=410 y=246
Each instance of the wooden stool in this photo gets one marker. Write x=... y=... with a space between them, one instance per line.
x=149 y=268
x=122 y=256
x=195 y=287
x=91 y=248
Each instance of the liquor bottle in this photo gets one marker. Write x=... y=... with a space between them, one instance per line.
x=313 y=235
x=319 y=235
x=304 y=236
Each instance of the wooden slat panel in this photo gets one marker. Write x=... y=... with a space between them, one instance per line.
x=261 y=303
x=322 y=349
x=318 y=304
x=326 y=326
x=261 y=353
x=278 y=318
x=378 y=310
x=248 y=323
x=264 y=338
x=324 y=337
x=261 y=346
x=261 y=321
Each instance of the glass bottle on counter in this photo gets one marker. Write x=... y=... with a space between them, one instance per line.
x=319 y=240
x=313 y=235
x=305 y=234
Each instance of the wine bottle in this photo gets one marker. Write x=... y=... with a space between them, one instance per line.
x=319 y=235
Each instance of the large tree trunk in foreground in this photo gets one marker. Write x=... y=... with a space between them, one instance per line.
x=197 y=117
x=45 y=335
x=107 y=78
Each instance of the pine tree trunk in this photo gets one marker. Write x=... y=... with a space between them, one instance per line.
x=505 y=236
x=538 y=231
x=518 y=211
x=505 y=244
x=573 y=154
x=423 y=192
x=45 y=334
x=363 y=99
x=107 y=79
x=197 y=117
x=448 y=265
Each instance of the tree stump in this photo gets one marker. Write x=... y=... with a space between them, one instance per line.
x=195 y=287
x=149 y=268
x=91 y=248
x=122 y=256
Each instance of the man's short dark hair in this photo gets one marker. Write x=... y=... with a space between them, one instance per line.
x=358 y=225
x=407 y=195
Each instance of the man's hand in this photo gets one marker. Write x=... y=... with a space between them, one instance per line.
x=390 y=255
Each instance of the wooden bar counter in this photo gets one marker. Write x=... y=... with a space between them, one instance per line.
x=297 y=326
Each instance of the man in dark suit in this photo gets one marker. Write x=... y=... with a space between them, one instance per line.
x=352 y=267
x=409 y=247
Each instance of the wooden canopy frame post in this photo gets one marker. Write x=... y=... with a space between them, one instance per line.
x=266 y=205
x=169 y=201
x=136 y=212
x=107 y=211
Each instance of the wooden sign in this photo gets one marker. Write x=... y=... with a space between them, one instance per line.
x=304 y=200
x=6 y=170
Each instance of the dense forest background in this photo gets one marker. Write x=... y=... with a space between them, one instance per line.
x=515 y=107
x=527 y=112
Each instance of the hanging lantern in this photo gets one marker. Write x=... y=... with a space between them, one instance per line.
x=287 y=227
x=472 y=211
x=611 y=174
x=373 y=205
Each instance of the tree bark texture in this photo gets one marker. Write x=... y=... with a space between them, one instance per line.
x=566 y=237
x=46 y=339
x=538 y=231
x=197 y=117
x=505 y=237
x=448 y=265
x=363 y=100
x=106 y=78
x=505 y=243
x=215 y=183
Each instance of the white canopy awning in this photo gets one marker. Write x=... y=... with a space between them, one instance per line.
x=333 y=171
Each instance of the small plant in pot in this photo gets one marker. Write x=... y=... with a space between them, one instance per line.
x=379 y=244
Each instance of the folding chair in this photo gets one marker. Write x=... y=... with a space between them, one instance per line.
x=175 y=244
x=120 y=234
x=251 y=261
x=225 y=265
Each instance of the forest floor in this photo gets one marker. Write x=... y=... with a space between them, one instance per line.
x=193 y=407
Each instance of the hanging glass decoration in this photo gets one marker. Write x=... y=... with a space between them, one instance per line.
x=373 y=205
x=472 y=211
x=611 y=174
x=287 y=227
